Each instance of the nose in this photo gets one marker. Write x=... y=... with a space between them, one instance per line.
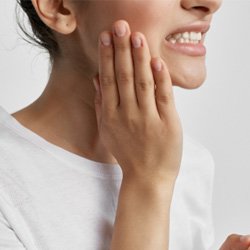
x=206 y=6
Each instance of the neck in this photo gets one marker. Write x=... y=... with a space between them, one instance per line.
x=64 y=115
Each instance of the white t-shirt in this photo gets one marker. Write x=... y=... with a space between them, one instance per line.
x=52 y=199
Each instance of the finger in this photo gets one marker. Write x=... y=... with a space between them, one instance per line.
x=230 y=241
x=164 y=96
x=98 y=100
x=144 y=80
x=124 y=70
x=245 y=239
x=234 y=241
x=109 y=91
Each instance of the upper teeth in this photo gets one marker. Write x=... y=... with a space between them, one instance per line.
x=186 y=37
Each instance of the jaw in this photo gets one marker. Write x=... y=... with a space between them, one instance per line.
x=187 y=72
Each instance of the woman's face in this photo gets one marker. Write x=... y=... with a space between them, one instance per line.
x=156 y=19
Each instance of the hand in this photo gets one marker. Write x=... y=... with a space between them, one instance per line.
x=135 y=109
x=236 y=242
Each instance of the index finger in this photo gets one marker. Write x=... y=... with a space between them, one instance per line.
x=107 y=79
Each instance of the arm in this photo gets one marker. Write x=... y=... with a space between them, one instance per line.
x=140 y=126
x=142 y=218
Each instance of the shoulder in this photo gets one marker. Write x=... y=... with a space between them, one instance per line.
x=8 y=137
x=14 y=152
x=9 y=140
x=13 y=166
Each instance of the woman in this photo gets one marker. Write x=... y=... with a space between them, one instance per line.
x=68 y=156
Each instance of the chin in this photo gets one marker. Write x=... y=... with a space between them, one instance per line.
x=189 y=75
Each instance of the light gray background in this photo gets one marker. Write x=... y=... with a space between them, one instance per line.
x=217 y=114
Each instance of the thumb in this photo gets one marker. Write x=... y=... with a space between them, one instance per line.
x=97 y=100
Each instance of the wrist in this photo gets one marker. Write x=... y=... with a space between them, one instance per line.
x=150 y=185
x=150 y=179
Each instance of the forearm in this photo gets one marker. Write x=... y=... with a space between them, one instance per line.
x=142 y=218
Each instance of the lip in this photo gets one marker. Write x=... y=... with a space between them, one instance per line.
x=188 y=48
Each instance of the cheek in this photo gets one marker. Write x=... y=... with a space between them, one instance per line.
x=150 y=17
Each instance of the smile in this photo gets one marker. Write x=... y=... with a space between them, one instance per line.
x=185 y=37
x=188 y=40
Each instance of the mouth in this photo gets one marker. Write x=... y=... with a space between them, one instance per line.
x=186 y=37
x=189 y=39
x=192 y=34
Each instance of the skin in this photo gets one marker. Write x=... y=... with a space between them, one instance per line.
x=65 y=114
x=139 y=124
x=236 y=242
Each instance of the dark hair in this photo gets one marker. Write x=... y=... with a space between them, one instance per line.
x=42 y=36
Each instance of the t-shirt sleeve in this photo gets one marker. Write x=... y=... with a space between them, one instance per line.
x=8 y=238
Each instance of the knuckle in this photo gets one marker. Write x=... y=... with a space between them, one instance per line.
x=108 y=55
x=125 y=77
x=131 y=122
x=143 y=85
x=109 y=112
x=110 y=120
x=164 y=98
x=121 y=46
x=107 y=80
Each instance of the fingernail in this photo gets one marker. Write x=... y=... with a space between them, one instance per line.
x=105 y=39
x=157 y=65
x=137 y=42
x=120 y=29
